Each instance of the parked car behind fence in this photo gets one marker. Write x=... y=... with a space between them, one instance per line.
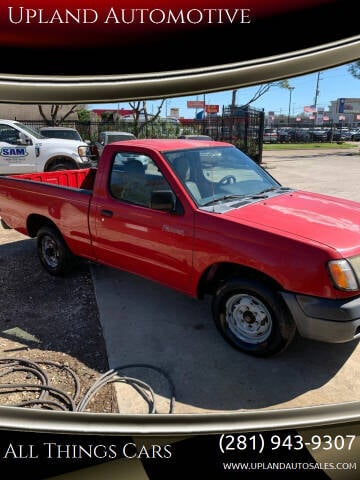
x=107 y=137
x=270 y=135
x=318 y=135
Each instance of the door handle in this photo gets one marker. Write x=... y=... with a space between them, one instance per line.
x=107 y=213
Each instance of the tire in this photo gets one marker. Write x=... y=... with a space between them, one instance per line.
x=61 y=165
x=4 y=225
x=252 y=317
x=53 y=252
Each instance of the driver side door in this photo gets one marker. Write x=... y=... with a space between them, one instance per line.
x=16 y=156
x=133 y=235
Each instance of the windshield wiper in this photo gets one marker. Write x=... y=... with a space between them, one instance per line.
x=254 y=195
x=221 y=199
x=272 y=189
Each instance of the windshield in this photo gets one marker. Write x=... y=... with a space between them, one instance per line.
x=219 y=174
x=117 y=137
x=64 y=134
x=29 y=130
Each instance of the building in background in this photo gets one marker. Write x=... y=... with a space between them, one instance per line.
x=341 y=112
x=346 y=110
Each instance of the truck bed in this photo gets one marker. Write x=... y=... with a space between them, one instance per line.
x=61 y=197
x=80 y=179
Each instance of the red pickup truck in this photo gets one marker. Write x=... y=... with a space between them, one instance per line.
x=204 y=219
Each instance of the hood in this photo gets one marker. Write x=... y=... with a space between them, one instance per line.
x=61 y=142
x=331 y=221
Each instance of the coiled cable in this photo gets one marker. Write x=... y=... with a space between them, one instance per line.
x=51 y=397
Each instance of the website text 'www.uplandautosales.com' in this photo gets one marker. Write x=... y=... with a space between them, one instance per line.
x=302 y=466
x=287 y=445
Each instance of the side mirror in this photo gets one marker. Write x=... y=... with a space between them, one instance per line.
x=23 y=139
x=163 y=200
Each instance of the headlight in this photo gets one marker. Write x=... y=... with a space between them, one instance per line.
x=343 y=274
x=84 y=151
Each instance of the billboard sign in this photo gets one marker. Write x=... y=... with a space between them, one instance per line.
x=195 y=104
x=212 y=108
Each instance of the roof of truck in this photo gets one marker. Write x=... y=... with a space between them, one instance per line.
x=163 y=145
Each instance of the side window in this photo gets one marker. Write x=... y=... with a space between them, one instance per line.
x=135 y=177
x=8 y=134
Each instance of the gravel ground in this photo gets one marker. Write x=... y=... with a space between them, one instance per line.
x=48 y=319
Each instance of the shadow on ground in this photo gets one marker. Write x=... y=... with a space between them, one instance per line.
x=47 y=313
x=147 y=323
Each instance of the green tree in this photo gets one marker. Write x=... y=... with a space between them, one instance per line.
x=107 y=116
x=83 y=115
x=354 y=69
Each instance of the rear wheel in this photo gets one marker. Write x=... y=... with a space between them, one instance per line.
x=252 y=317
x=53 y=252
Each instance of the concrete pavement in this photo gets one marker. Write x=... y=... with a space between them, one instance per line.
x=332 y=172
x=149 y=324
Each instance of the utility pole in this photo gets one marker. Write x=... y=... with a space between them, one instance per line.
x=289 y=112
x=233 y=102
x=317 y=91
x=232 y=110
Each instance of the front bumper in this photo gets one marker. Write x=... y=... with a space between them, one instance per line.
x=327 y=320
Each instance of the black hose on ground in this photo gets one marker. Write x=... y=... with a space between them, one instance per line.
x=54 y=398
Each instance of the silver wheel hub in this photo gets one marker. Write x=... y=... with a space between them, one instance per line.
x=248 y=318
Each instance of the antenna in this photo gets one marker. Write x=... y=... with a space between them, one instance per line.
x=212 y=182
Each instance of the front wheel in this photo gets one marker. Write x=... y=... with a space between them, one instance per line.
x=53 y=252
x=4 y=225
x=61 y=164
x=252 y=317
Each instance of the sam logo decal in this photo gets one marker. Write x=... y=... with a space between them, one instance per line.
x=13 y=152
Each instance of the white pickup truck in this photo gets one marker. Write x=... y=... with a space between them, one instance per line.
x=24 y=150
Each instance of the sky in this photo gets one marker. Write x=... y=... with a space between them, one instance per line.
x=334 y=83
